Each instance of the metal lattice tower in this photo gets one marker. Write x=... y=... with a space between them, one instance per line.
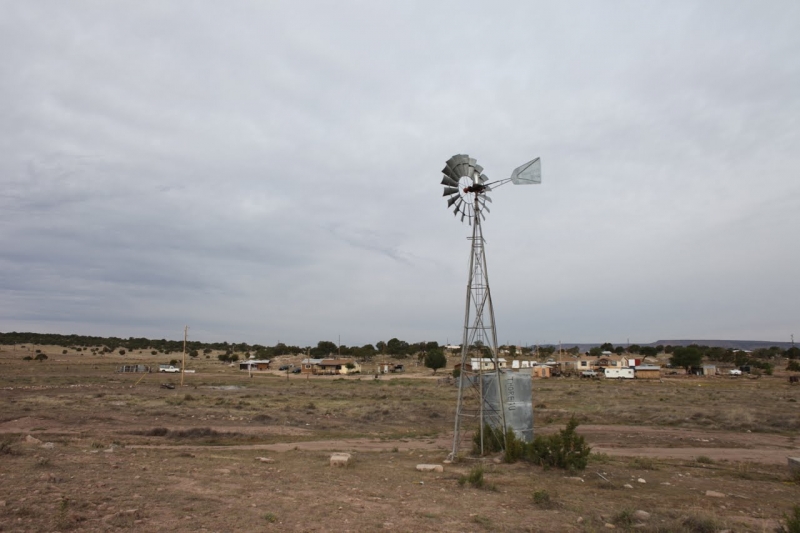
x=466 y=185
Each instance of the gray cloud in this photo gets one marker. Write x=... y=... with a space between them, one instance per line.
x=270 y=172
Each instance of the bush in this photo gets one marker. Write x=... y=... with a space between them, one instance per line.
x=40 y=357
x=793 y=366
x=153 y=352
x=27 y=358
x=541 y=498
x=122 y=352
x=566 y=449
x=173 y=362
x=456 y=373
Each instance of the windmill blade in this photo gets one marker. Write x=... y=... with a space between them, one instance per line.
x=529 y=173
x=447 y=180
x=484 y=178
x=448 y=171
x=472 y=162
x=478 y=169
x=452 y=200
x=449 y=190
x=486 y=197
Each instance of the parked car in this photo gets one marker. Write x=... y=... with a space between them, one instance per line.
x=286 y=367
x=735 y=372
x=296 y=370
x=168 y=368
x=589 y=374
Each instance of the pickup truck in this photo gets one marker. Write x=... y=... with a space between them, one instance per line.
x=589 y=374
x=168 y=368
x=735 y=372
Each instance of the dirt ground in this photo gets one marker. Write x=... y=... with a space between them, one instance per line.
x=84 y=448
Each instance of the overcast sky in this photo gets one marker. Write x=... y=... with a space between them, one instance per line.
x=266 y=171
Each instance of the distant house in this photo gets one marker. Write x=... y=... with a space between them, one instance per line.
x=612 y=361
x=329 y=366
x=254 y=364
x=309 y=366
x=338 y=366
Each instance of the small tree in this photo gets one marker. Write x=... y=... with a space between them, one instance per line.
x=122 y=352
x=686 y=357
x=40 y=357
x=435 y=359
x=793 y=366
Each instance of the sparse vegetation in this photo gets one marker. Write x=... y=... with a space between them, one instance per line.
x=542 y=499
x=792 y=520
x=475 y=479
x=704 y=459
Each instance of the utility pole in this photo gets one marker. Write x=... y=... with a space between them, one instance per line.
x=183 y=366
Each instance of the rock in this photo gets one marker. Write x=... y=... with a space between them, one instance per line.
x=714 y=494
x=265 y=459
x=48 y=446
x=609 y=525
x=224 y=471
x=575 y=479
x=628 y=486
x=641 y=516
x=32 y=440
x=580 y=520
x=641 y=480
x=340 y=459
x=430 y=468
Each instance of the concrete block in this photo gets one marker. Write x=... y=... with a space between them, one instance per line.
x=340 y=459
x=430 y=468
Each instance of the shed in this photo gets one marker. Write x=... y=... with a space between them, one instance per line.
x=647 y=372
x=541 y=371
x=709 y=370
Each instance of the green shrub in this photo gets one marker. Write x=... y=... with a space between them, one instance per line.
x=475 y=479
x=566 y=449
x=704 y=459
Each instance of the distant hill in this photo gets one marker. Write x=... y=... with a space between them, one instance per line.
x=741 y=345
x=735 y=344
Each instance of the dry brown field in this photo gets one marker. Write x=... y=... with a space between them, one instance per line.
x=84 y=448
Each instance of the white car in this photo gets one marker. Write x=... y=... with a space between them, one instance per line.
x=168 y=368
x=735 y=372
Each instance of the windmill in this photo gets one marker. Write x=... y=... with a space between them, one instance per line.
x=480 y=390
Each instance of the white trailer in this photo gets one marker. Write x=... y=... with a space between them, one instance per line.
x=619 y=373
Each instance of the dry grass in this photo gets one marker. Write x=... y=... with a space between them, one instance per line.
x=115 y=445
